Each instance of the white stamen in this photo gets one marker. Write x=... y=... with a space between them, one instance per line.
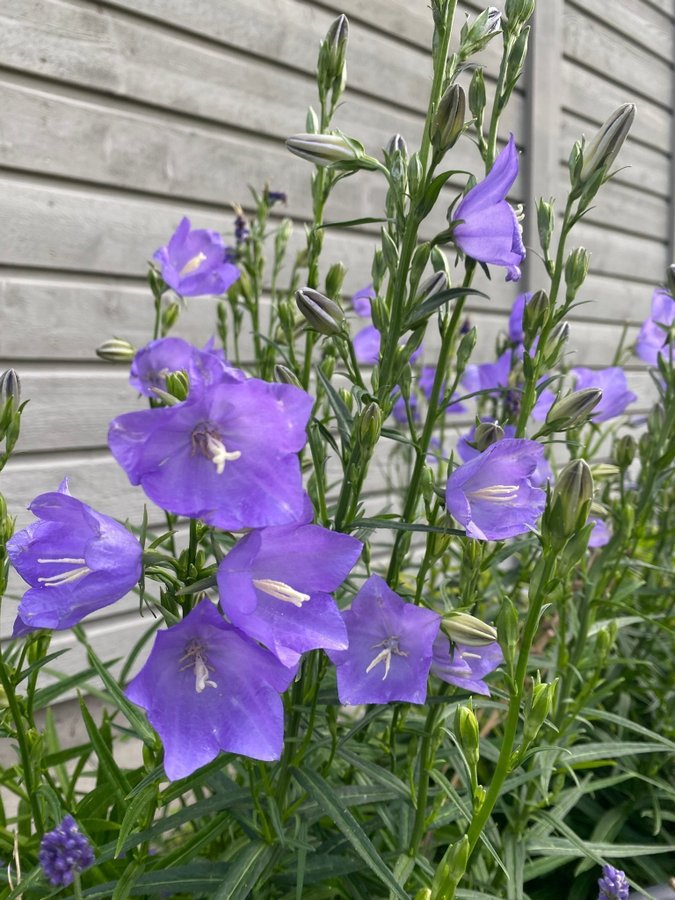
x=195 y=651
x=468 y=655
x=64 y=559
x=496 y=493
x=280 y=591
x=390 y=645
x=67 y=576
x=219 y=455
x=192 y=264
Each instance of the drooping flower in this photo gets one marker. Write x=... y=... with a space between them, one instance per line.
x=63 y=852
x=465 y=667
x=196 y=262
x=227 y=455
x=600 y=534
x=493 y=495
x=652 y=339
x=613 y=884
x=425 y=383
x=489 y=230
x=516 y=332
x=615 y=394
x=361 y=301
x=164 y=356
x=488 y=376
x=275 y=585
x=466 y=451
x=76 y=560
x=207 y=687
x=390 y=648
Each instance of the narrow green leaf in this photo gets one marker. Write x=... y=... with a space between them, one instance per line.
x=342 y=414
x=424 y=310
x=198 y=880
x=403 y=526
x=608 y=752
x=136 y=806
x=244 y=872
x=366 y=220
x=324 y=794
x=40 y=663
x=47 y=695
x=111 y=770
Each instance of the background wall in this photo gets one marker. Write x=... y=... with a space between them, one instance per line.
x=120 y=116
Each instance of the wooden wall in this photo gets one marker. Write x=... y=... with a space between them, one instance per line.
x=120 y=116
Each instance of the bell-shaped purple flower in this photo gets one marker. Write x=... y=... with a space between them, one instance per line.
x=227 y=455
x=466 y=451
x=489 y=230
x=390 y=648
x=196 y=262
x=75 y=560
x=613 y=885
x=361 y=301
x=465 y=667
x=615 y=394
x=488 y=376
x=63 y=852
x=652 y=339
x=206 y=687
x=164 y=356
x=493 y=495
x=275 y=585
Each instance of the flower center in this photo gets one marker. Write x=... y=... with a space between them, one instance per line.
x=390 y=646
x=280 y=591
x=192 y=264
x=208 y=441
x=194 y=653
x=496 y=493
x=69 y=575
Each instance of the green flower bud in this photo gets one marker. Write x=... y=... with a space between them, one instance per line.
x=474 y=36
x=555 y=342
x=347 y=398
x=573 y=410
x=570 y=501
x=178 y=385
x=540 y=705
x=624 y=450
x=605 y=146
x=431 y=286
x=336 y=44
x=283 y=375
x=545 y=222
x=576 y=270
x=370 y=425
x=517 y=57
x=517 y=12
x=396 y=144
x=507 y=629
x=487 y=433
x=415 y=173
x=10 y=387
x=282 y=237
x=378 y=313
x=534 y=316
x=575 y=162
x=477 y=97
x=170 y=317
x=322 y=314
x=466 y=729
x=116 y=350
x=465 y=349
x=323 y=149
x=448 y=121
x=419 y=263
x=463 y=628
x=335 y=278
x=451 y=870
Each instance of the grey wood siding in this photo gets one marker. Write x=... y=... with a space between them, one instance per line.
x=120 y=116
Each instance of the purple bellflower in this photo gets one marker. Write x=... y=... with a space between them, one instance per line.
x=361 y=301
x=489 y=230
x=466 y=452
x=63 y=852
x=227 y=455
x=600 y=534
x=613 y=885
x=425 y=383
x=160 y=358
x=465 y=667
x=493 y=495
x=75 y=560
x=196 y=262
x=390 y=648
x=652 y=339
x=207 y=687
x=516 y=333
x=488 y=376
x=275 y=585
x=615 y=394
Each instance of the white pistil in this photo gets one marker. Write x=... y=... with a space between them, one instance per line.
x=195 y=653
x=496 y=493
x=390 y=645
x=280 y=591
x=466 y=654
x=67 y=576
x=192 y=264
x=219 y=455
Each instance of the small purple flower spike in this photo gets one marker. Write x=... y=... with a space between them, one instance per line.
x=196 y=262
x=489 y=230
x=493 y=495
x=227 y=455
x=75 y=560
x=390 y=648
x=465 y=667
x=206 y=687
x=652 y=338
x=613 y=884
x=615 y=394
x=63 y=852
x=275 y=585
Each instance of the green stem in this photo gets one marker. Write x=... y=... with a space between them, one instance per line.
x=497 y=108
x=426 y=764
x=440 y=56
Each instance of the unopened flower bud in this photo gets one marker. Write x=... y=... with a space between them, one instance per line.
x=10 y=387
x=545 y=222
x=576 y=270
x=534 y=315
x=540 y=705
x=507 y=629
x=170 y=317
x=477 y=96
x=322 y=149
x=624 y=450
x=335 y=278
x=573 y=410
x=451 y=869
x=415 y=172
x=463 y=628
x=466 y=729
x=178 y=385
x=555 y=342
x=571 y=498
x=282 y=237
x=475 y=35
x=283 y=375
x=465 y=349
x=396 y=144
x=517 y=12
x=347 y=398
x=336 y=42
x=448 y=122
x=487 y=433
x=116 y=350
x=370 y=425
x=603 y=149
x=322 y=314
x=431 y=286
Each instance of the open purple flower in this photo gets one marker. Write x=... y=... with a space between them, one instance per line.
x=390 y=648
x=516 y=332
x=493 y=495
x=613 y=885
x=63 y=852
x=615 y=394
x=275 y=585
x=466 y=452
x=425 y=383
x=227 y=455
x=75 y=560
x=196 y=262
x=652 y=339
x=367 y=345
x=601 y=534
x=465 y=667
x=489 y=230
x=159 y=358
x=361 y=301
x=488 y=376
x=206 y=687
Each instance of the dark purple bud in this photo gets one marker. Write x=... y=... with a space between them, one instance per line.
x=63 y=852
x=10 y=387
